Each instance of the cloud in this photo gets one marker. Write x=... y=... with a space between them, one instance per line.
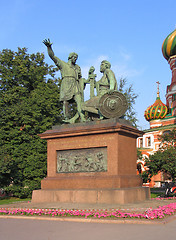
x=125 y=54
x=121 y=70
x=93 y=62
x=62 y=49
x=85 y=69
x=125 y=71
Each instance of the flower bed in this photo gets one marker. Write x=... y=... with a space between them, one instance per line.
x=151 y=214
x=164 y=198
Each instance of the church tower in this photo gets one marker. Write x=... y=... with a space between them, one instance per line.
x=162 y=117
x=169 y=53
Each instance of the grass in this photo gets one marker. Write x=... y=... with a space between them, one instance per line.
x=12 y=200
x=157 y=192
x=155 y=195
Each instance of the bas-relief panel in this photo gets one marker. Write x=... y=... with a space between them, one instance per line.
x=82 y=160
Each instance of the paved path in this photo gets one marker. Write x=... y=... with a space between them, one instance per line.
x=142 y=206
x=35 y=229
x=28 y=229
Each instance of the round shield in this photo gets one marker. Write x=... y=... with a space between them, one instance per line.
x=113 y=104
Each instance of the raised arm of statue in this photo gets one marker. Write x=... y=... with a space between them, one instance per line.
x=48 y=44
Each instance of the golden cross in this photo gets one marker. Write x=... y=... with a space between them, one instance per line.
x=158 y=83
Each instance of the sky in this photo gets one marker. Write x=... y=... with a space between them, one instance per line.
x=129 y=34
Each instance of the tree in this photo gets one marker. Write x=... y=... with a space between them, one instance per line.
x=168 y=138
x=29 y=105
x=164 y=160
x=139 y=157
x=143 y=174
x=131 y=98
x=139 y=154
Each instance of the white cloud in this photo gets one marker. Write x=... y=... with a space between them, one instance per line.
x=96 y=63
x=62 y=50
x=125 y=55
x=85 y=69
x=120 y=69
x=125 y=71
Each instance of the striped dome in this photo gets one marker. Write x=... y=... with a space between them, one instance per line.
x=156 y=111
x=169 y=45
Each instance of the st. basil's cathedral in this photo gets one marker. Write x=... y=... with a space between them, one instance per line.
x=162 y=117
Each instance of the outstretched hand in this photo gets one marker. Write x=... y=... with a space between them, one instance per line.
x=47 y=42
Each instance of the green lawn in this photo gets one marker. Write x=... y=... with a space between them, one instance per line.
x=155 y=195
x=157 y=192
x=12 y=200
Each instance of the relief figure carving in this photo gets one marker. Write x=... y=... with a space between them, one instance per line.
x=82 y=160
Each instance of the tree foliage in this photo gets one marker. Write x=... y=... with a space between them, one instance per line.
x=131 y=96
x=139 y=154
x=168 y=138
x=164 y=160
x=29 y=105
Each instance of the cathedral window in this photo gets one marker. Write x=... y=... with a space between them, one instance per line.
x=140 y=142
x=148 y=141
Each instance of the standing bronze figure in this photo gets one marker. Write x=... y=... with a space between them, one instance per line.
x=71 y=85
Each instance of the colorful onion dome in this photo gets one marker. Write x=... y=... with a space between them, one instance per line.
x=169 y=45
x=156 y=111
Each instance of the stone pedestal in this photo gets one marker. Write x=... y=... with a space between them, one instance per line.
x=92 y=162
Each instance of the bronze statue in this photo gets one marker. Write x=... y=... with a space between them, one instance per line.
x=71 y=85
x=108 y=81
x=108 y=103
x=91 y=80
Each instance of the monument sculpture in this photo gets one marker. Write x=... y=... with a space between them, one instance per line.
x=91 y=80
x=108 y=103
x=94 y=160
x=71 y=85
